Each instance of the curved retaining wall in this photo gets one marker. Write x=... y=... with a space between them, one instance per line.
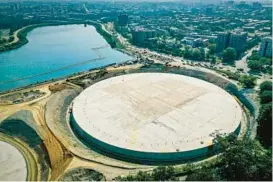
x=139 y=156
x=151 y=157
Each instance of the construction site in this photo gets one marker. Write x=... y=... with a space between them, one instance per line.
x=144 y=109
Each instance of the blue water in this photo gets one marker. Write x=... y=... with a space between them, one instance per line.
x=51 y=48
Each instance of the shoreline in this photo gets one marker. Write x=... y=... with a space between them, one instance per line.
x=22 y=40
x=20 y=35
x=33 y=85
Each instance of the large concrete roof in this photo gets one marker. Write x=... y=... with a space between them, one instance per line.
x=156 y=112
x=12 y=164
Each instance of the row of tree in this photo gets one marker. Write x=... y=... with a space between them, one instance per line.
x=240 y=160
x=264 y=130
x=161 y=173
x=229 y=55
x=194 y=54
x=259 y=64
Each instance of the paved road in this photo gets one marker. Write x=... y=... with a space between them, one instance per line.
x=242 y=63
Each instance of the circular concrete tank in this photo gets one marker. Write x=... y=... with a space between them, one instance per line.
x=154 y=116
x=13 y=166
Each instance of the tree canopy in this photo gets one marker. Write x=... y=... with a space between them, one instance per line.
x=241 y=160
x=212 y=49
x=266 y=85
x=160 y=173
x=255 y=65
x=213 y=60
x=264 y=129
x=259 y=64
x=247 y=81
x=266 y=96
x=197 y=54
x=229 y=55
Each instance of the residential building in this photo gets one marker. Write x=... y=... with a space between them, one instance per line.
x=123 y=19
x=229 y=3
x=140 y=35
x=238 y=41
x=257 y=5
x=266 y=47
x=209 y=11
x=222 y=41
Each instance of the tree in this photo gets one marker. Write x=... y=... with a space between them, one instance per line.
x=229 y=55
x=204 y=175
x=246 y=160
x=265 y=61
x=187 y=53
x=163 y=173
x=254 y=56
x=266 y=85
x=264 y=129
x=207 y=57
x=196 y=54
x=212 y=49
x=202 y=54
x=241 y=160
x=255 y=65
x=143 y=176
x=247 y=81
x=213 y=60
x=266 y=96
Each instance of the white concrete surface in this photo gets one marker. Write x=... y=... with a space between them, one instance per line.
x=12 y=164
x=156 y=112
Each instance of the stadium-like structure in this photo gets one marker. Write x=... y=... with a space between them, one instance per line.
x=155 y=116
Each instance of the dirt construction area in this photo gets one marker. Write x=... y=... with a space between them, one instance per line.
x=48 y=146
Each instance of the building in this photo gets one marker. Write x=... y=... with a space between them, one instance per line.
x=266 y=47
x=229 y=3
x=209 y=11
x=238 y=41
x=151 y=33
x=249 y=29
x=123 y=19
x=222 y=41
x=257 y=5
x=140 y=35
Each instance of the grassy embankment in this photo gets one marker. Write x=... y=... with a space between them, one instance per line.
x=111 y=40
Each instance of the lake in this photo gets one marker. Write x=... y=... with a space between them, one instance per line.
x=55 y=48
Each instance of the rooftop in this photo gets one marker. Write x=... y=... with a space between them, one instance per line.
x=156 y=112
